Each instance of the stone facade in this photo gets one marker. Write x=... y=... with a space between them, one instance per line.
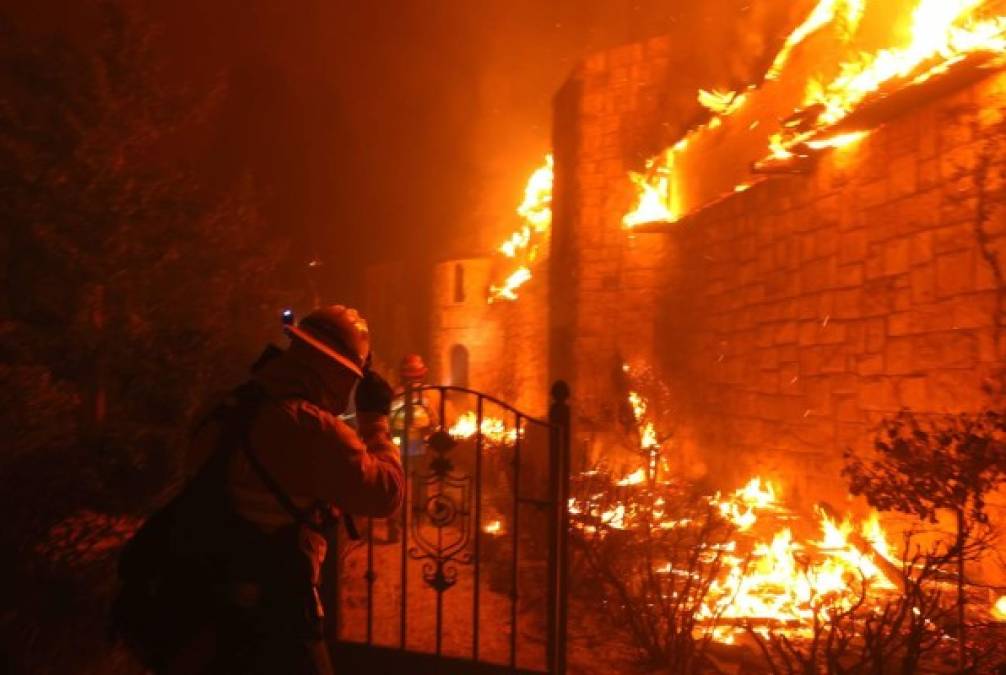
x=606 y=285
x=789 y=319
x=505 y=342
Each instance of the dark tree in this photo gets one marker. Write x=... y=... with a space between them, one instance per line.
x=945 y=465
x=129 y=293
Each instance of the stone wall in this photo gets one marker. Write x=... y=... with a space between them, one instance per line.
x=506 y=341
x=463 y=322
x=605 y=286
x=788 y=319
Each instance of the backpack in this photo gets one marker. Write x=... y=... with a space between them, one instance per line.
x=173 y=569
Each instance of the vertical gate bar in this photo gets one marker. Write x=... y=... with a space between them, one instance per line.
x=371 y=577
x=403 y=534
x=440 y=592
x=478 y=527
x=332 y=567
x=561 y=394
x=553 y=544
x=516 y=542
x=440 y=530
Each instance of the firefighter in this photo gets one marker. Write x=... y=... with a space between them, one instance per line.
x=300 y=466
x=412 y=373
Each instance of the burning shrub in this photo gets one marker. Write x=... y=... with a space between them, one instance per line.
x=655 y=552
x=878 y=633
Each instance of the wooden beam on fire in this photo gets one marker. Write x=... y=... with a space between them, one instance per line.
x=905 y=95
x=667 y=226
x=892 y=101
x=798 y=164
x=893 y=573
x=895 y=99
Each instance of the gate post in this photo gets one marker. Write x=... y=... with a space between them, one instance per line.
x=559 y=417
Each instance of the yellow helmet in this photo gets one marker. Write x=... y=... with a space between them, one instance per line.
x=339 y=333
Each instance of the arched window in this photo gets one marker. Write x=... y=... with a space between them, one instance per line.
x=459 y=366
x=459 y=283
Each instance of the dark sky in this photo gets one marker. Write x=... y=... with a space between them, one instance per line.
x=389 y=129
x=375 y=130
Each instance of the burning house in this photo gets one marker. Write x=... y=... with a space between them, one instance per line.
x=819 y=251
x=748 y=288
x=812 y=252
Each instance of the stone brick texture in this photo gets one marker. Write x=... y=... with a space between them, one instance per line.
x=789 y=319
x=506 y=341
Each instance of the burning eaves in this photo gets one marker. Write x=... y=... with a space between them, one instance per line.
x=950 y=44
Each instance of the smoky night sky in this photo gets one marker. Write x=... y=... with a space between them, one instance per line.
x=385 y=130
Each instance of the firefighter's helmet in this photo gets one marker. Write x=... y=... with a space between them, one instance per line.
x=412 y=367
x=339 y=333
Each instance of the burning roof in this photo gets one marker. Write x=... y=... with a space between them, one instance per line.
x=847 y=68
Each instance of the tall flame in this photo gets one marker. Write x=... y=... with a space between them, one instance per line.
x=770 y=575
x=652 y=197
x=940 y=34
x=721 y=102
x=824 y=13
x=493 y=429
x=535 y=211
x=944 y=29
x=508 y=289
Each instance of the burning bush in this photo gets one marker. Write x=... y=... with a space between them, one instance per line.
x=655 y=553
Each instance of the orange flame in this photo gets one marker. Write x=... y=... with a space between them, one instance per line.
x=999 y=608
x=536 y=213
x=942 y=33
x=788 y=578
x=826 y=12
x=493 y=428
x=536 y=209
x=944 y=29
x=652 y=197
x=508 y=290
x=721 y=102
x=840 y=141
x=769 y=574
x=637 y=477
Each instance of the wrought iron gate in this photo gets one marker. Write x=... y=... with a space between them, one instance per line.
x=470 y=576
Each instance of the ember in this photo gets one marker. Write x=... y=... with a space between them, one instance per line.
x=494 y=429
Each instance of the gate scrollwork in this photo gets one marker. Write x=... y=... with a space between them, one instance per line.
x=442 y=529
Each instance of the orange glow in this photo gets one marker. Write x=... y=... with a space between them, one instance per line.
x=941 y=29
x=493 y=527
x=493 y=429
x=637 y=477
x=826 y=12
x=536 y=209
x=652 y=197
x=929 y=38
x=840 y=141
x=788 y=577
x=942 y=33
x=721 y=102
x=777 y=148
x=508 y=290
x=522 y=245
x=770 y=575
x=999 y=608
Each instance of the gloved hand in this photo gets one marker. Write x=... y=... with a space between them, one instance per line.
x=373 y=394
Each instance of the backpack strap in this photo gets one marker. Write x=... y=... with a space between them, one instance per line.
x=250 y=396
